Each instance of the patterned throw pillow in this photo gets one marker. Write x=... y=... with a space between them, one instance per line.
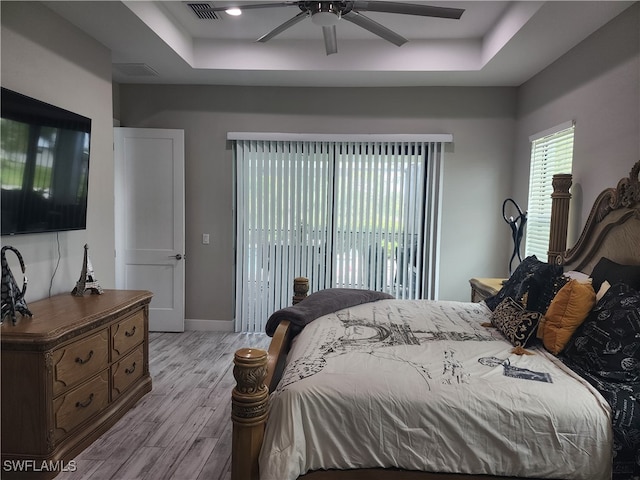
x=515 y=323
x=534 y=283
x=544 y=287
x=607 y=344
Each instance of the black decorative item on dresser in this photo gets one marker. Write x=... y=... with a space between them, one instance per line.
x=87 y=280
x=12 y=295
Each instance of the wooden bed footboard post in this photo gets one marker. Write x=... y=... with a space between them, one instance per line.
x=300 y=289
x=249 y=406
x=560 y=199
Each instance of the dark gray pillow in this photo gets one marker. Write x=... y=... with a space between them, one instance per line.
x=614 y=273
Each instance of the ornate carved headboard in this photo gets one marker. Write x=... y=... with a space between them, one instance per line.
x=612 y=229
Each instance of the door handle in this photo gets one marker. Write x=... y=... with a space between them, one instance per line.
x=177 y=256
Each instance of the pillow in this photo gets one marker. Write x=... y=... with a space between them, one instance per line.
x=613 y=272
x=515 y=323
x=543 y=288
x=575 y=275
x=533 y=283
x=602 y=290
x=567 y=311
x=607 y=344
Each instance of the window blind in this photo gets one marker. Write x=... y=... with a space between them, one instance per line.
x=551 y=153
x=355 y=214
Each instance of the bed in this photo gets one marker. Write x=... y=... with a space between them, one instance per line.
x=540 y=381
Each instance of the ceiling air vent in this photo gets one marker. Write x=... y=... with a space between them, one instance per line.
x=200 y=9
x=135 y=69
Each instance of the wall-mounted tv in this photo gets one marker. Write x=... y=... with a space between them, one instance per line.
x=45 y=166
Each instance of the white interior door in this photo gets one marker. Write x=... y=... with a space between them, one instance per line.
x=149 y=210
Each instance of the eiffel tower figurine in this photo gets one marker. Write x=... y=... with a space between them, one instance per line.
x=87 y=278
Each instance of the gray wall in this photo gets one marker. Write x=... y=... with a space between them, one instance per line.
x=45 y=57
x=476 y=167
x=596 y=84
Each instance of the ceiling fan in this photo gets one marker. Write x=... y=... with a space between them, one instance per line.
x=328 y=13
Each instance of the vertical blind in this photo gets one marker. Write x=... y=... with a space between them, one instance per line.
x=551 y=153
x=344 y=213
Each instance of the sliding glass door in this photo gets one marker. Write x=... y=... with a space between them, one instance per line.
x=347 y=214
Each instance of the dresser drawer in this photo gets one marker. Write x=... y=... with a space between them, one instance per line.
x=78 y=405
x=74 y=363
x=126 y=334
x=126 y=371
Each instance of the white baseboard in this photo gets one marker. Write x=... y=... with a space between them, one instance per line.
x=208 y=325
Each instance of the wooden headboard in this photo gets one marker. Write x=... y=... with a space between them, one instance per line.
x=612 y=229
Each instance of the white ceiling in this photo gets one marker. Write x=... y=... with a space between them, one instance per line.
x=495 y=43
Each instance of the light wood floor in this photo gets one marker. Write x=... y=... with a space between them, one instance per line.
x=181 y=430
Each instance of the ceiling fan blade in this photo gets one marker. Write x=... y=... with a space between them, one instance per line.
x=281 y=28
x=249 y=6
x=409 y=9
x=374 y=27
x=330 y=41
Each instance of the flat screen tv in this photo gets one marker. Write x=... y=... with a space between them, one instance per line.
x=45 y=166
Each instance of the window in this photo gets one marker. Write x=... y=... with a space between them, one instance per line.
x=551 y=153
x=344 y=213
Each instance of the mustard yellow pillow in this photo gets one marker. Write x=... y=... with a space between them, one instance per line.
x=567 y=311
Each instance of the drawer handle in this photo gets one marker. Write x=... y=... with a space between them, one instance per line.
x=131 y=333
x=81 y=361
x=129 y=371
x=85 y=404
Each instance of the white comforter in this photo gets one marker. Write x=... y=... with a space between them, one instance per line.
x=421 y=385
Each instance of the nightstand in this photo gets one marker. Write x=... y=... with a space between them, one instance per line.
x=482 y=288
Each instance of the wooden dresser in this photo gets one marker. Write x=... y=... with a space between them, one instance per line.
x=482 y=288
x=68 y=374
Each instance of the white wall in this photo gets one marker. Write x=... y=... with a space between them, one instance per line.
x=597 y=84
x=45 y=57
x=476 y=172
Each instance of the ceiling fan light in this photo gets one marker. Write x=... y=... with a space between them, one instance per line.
x=325 y=19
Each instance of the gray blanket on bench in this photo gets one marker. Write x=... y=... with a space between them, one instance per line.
x=321 y=303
